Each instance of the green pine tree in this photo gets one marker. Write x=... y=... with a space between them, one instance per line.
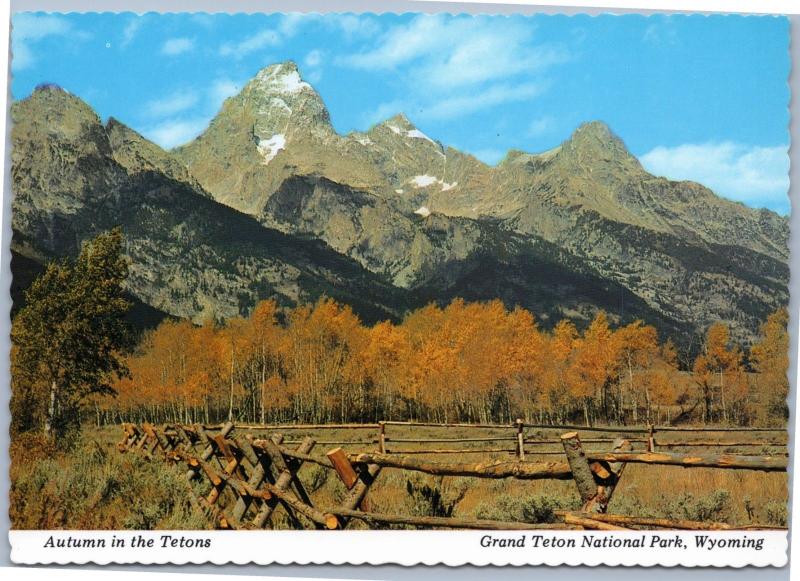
x=68 y=338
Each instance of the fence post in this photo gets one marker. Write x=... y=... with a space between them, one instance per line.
x=382 y=438
x=343 y=467
x=579 y=465
x=651 y=441
x=520 y=440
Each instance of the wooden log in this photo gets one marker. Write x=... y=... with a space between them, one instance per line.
x=326 y=520
x=521 y=470
x=257 y=476
x=184 y=436
x=297 y=455
x=732 y=461
x=457 y=451
x=213 y=475
x=663 y=523
x=591 y=523
x=209 y=449
x=356 y=495
x=282 y=427
x=307 y=444
x=343 y=468
x=611 y=429
x=520 y=440
x=152 y=437
x=441 y=522
x=224 y=447
x=719 y=444
x=448 y=425
x=616 y=468
x=579 y=465
x=335 y=442
x=536 y=442
x=718 y=429
x=451 y=440
x=229 y=469
x=282 y=481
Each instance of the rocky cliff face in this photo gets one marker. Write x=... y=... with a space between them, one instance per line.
x=190 y=255
x=565 y=232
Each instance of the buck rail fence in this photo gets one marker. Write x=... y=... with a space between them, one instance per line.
x=239 y=474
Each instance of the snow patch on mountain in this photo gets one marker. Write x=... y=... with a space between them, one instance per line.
x=282 y=79
x=424 y=181
x=363 y=139
x=269 y=148
x=423 y=211
x=417 y=134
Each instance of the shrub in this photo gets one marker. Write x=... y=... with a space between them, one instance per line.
x=533 y=509
x=777 y=513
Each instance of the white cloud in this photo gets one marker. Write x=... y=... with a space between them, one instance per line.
x=176 y=46
x=174 y=132
x=291 y=22
x=28 y=29
x=131 y=30
x=455 y=66
x=221 y=89
x=541 y=126
x=757 y=176
x=354 y=26
x=258 y=41
x=445 y=52
x=460 y=105
x=383 y=112
x=171 y=104
x=313 y=58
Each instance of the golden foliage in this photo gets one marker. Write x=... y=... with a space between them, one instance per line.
x=463 y=362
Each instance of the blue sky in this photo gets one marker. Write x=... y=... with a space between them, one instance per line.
x=695 y=97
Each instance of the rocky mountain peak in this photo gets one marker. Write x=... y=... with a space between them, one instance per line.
x=594 y=142
x=281 y=78
x=401 y=127
x=282 y=103
x=65 y=117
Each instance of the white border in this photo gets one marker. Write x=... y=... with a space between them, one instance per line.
x=452 y=548
x=333 y=539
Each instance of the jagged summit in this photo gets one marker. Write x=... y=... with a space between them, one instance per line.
x=50 y=87
x=282 y=78
x=402 y=126
x=596 y=142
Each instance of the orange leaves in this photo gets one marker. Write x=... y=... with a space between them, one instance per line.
x=466 y=361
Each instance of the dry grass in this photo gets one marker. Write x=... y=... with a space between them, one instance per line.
x=96 y=487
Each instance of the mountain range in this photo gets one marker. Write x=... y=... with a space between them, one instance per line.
x=271 y=202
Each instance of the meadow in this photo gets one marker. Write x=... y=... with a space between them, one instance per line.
x=93 y=486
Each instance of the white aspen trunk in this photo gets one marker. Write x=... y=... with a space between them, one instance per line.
x=51 y=409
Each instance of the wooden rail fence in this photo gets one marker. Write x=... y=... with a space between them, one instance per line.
x=238 y=475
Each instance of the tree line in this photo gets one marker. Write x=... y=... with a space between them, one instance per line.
x=470 y=362
x=72 y=356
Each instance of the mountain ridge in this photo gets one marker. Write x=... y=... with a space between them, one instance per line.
x=424 y=218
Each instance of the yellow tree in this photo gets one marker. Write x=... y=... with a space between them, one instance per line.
x=638 y=350
x=594 y=366
x=718 y=369
x=770 y=358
